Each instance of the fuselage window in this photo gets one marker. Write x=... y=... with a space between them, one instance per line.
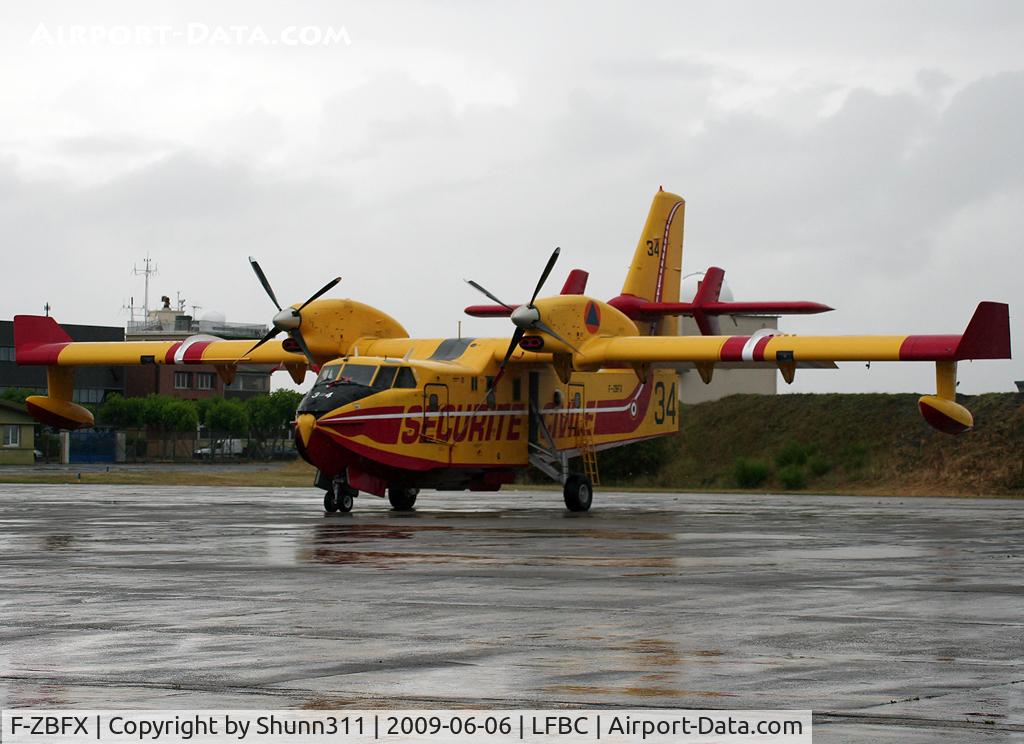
x=432 y=402
x=361 y=374
x=384 y=378
x=517 y=389
x=405 y=378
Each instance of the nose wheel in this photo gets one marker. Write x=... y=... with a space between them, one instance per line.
x=340 y=497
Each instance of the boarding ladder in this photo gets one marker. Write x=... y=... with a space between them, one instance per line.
x=588 y=453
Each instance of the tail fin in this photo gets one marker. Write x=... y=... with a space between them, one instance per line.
x=656 y=270
x=657 y=264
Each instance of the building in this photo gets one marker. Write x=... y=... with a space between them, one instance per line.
x=192 y=381
x=17 y=435
x=92 y=384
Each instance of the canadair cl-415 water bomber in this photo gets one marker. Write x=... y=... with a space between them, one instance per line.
x=389 y=415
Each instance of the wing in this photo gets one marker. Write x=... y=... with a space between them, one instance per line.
x=41 y=341
x=987 y=337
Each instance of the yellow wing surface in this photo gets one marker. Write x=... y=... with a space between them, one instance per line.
x=597 y=335
x=41 y=341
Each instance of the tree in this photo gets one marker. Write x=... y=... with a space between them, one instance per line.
x=16 y=395
x=226 y=417
x=179 y=416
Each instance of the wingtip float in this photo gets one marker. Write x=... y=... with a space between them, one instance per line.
x=389 y=414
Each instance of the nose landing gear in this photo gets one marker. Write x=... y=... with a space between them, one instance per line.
x=339 y=496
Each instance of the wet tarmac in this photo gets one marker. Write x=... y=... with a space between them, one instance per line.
x=893 y=619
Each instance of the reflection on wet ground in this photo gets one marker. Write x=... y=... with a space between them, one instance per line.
x=896 y=620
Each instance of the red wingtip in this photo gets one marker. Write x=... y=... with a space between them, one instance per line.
x=38 y=339
x=988 y=334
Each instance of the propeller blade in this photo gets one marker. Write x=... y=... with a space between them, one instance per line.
x=273 y=332
x=516 y=338
x=540 y=325
x=544 y=274
x=326 y=287
x=297 y=335
x=478 y=288
x=263 y=280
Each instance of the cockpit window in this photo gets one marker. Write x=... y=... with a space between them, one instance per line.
x=405 y=378
x=360 y=374
x=384 y=378
x=329 y=373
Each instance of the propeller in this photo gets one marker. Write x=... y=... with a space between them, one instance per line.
x=287 y=319
x=526 y=318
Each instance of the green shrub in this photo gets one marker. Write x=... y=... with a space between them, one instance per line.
x=750 y=473
x=793 y=453
x=818 y=465
x=792 y=477
x=622 y=464
x=855 y=456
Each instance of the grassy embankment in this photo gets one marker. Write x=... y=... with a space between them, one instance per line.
x=845 y=443
x=821 y=443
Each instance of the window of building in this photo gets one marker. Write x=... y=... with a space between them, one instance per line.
x=204 y=381
x=11 y=435
x=88 y=395
x=405 y=378
x=182 y=380
x=6 y=353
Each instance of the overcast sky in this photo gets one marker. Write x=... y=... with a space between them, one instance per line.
x=863 y=154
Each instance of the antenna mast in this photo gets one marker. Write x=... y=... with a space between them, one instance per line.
x=148 y=270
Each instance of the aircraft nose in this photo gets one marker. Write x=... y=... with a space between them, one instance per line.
x=304 y=424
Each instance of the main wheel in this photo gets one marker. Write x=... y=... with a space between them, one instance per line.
x=330 y=502
x=402 y=499
x=578 y=493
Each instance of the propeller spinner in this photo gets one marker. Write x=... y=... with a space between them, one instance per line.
x=288 y=319
x=525 y=317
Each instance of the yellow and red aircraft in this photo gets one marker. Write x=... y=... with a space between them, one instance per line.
x=389 y=414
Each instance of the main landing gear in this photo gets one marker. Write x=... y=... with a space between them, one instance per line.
x=402 y=499
x=577 y=489
x=578 y=493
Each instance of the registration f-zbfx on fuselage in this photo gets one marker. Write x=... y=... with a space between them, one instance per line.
x=389 y=414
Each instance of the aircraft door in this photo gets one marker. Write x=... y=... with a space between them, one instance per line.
x=535 y=406
x=436 y=419
x=575 y=405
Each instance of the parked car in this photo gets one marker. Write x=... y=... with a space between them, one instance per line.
x=221 y=448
